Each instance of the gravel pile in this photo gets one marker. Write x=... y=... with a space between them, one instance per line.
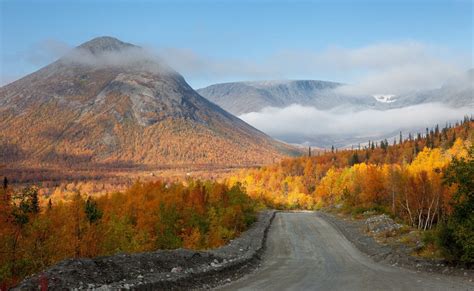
x=381 y=223
x=175 y=269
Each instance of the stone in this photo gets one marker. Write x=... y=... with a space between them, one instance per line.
x=176 y=270
x=381 y=223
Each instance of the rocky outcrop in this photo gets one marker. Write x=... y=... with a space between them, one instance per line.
x=381 y=223
x=174 y=269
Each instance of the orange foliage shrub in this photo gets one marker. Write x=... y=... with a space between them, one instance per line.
x=147 y=216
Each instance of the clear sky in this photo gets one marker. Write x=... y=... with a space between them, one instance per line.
x=209 y=39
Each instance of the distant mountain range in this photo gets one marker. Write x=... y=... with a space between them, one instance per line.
x=244 y=97
x=108 y=103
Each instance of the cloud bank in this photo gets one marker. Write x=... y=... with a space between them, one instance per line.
x=297 y=122
x=383 y=68
x=378 y=68
x=125 y=57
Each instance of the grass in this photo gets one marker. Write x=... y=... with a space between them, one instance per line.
x=431 y=251
x=362 y=212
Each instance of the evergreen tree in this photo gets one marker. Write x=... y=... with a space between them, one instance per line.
x=428 y=141
x=34 y=201
x=354 y=159
x=384 y=145
x=5 y=183
x=93 y=213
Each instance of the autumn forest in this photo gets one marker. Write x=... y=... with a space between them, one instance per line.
x=425 y=181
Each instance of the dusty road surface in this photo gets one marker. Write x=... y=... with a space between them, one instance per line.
x=304 y=252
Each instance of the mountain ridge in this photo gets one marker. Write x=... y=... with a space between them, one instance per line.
x=101 y=105
x=252 y=96
x=291 y=99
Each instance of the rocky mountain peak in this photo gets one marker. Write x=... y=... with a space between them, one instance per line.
x=105 y=44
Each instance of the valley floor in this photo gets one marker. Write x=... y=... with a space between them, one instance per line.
x=305 y=252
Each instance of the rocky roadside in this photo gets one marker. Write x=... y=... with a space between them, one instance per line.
x=170 y=270
x=397 y=255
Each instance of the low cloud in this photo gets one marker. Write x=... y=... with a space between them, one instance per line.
x=403 y=79
x=18 y=64
x=50 y=50
x=197 y=66
x=302 y=124
x=379 y=68
x=384 y=68
x=131 y=56
x=45 y=51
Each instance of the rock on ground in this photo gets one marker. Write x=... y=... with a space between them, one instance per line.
x=381 y=223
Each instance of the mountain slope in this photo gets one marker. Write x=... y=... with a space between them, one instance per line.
x=110 y=103
x=455 y=93
x=244 y=97
x=325 y=117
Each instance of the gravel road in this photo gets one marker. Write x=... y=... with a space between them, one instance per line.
x=304 y=252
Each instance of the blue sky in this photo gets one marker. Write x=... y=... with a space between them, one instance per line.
x=216 y=41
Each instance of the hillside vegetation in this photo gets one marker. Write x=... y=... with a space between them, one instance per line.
x=146 y=217
x=426 y=182
x=85 y=112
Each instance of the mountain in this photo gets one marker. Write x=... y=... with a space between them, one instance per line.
x=324 y=117
x=108 y=103
x=454 y=93
x=244 y=97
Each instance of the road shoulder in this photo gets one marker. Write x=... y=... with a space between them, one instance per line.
x=179 y=269
x=354 y=231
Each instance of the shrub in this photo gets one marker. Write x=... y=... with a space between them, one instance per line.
x=456 y=235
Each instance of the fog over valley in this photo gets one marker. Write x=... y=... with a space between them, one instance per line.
x=310 y=126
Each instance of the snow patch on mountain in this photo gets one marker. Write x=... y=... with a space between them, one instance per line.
x=385 y=98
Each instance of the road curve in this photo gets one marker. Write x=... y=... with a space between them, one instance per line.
x=304 y=252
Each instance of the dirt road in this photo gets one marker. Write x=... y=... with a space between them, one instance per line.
x=304 y=252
